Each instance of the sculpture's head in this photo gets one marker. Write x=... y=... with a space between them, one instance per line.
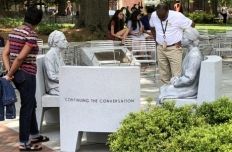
x=190 y=36
x=57 y=39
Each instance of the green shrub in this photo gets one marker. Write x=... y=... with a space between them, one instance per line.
x=153 y=130
x=201 y=17
x=9 y=22
x=168 y=128
x=46 y=29
x=219 y=111
x=206 y=138
x=42 y=28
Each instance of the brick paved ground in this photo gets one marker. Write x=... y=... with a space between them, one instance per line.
x=9 y=140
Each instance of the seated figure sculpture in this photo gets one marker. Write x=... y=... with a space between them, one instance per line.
x=185 y=86
x=53 y=60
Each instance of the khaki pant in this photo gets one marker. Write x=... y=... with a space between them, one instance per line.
x=169 y=62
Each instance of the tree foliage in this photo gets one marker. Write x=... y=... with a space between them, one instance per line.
x=227 y=2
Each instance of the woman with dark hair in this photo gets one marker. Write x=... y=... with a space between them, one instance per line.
x=19 y=58
x=116 y=29
x=136 y=26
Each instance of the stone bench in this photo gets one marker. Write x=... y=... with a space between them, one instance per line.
x=210 y=82
x=217 y=19
x=95 y=99
x=44 y=101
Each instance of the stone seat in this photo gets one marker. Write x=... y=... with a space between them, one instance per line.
x=210 y=82
x=50 y=101
x=44 y=101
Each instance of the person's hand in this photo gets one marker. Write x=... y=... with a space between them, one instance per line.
x=137 y=34
x=174 y=80
x=9 y=79
x=178 y=45
x=123 y=37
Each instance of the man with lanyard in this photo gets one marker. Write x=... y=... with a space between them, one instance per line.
x=167 y=29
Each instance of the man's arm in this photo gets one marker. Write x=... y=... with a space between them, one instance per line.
x=153 y=32
x=184 y=22
x=193 y=25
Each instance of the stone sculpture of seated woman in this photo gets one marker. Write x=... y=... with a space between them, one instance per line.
x=185 y=85
x=53 y=60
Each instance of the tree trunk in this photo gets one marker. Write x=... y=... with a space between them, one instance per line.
x=94 y=14
x=61 y=7
x=81 y=20
x=2 y=12
x=214 y=5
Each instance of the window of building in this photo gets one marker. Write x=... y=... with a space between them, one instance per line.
x=198 y=5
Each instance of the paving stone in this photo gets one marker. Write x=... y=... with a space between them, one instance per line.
x=9 y=140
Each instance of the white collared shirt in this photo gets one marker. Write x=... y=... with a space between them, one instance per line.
x=174 y=32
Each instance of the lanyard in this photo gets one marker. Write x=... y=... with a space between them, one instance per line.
x=164 y=29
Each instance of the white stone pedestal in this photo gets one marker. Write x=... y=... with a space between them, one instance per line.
x=95 y=99
x=52 y=116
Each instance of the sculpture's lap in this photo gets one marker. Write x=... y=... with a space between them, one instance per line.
x=170 y=92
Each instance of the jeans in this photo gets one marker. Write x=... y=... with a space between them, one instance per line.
x=26 y=85
x=224 y=18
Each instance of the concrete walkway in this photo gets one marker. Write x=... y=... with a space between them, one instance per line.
x=9 y=128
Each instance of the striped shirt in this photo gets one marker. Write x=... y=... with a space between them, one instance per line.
x=18 y=38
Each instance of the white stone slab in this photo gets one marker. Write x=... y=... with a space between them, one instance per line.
x=182 y=102
x=210 y=83
x=95 y=99
x=50 y=101
x=87 y=56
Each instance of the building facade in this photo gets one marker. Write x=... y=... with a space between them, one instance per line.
x=197 y=5
x=117 y=4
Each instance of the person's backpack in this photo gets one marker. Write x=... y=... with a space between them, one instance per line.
x=2 y=44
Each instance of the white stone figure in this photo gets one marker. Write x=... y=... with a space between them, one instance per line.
x=53 y=60
x=185 y=85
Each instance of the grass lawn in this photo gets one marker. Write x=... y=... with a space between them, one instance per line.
x=214 y=28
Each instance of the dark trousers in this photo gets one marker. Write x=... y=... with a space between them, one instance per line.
x=26 y=85
x=224 y=17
